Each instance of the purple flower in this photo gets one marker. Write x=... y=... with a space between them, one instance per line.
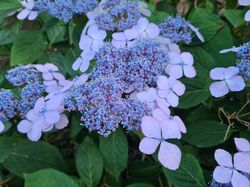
x=227 y=79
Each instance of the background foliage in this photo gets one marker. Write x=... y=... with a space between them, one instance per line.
x=75 y=158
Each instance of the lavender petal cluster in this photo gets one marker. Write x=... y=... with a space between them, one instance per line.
x=177 y=29
x=243 y=62
x=7 y=105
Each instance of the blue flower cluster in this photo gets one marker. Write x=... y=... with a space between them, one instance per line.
x=243 y=63
x=31 y=88
x=176 y=29
x=102 y=106
x=65 y=9
x=138 y=65
x=7 y=105
x=118 y=15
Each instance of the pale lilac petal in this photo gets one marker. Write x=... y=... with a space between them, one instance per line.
x=84 y=66
x=131 y=34
x=169 y=155
x=217 y=73
x=174 y=58
x=153 y=30
x=179 y=88
x=163 y=105
x=88 y=54
x=162 y=82
x=48 y=76
x=231 y=72
x=31 y=115
x=63 y=122
x=33 y=15
x=143 y=96
x=197 y=33
x=77 y=64
x=36 y=131
x=150 y=127
x=180 y=123
x=174 y=70
x=239 y=180
x=219 y=89
x=173 y=99
x=30 y=5
x=85 y=42
x=247 y=16
x=242 y=162
x=163 y=93
x=55 y=102
x=160 y=115
x=148 y=145
x=40 y=103
x=142 y=24
x=23 y=14
x=24 y=126
x=222 y=174
x=153 y=93
x=189 y=71
x=93 y=29
x=233 y=49
x=51 y=67
x=82 y=79
x=244 y=2
x=187 y=58
x=58 y=76
x=170 y=130
x=50 y=83
x=96 y=45
x=236 y=83
x=48 y=128
x=2 y=127
x=119 y=36
x=34 y=135
x=41 y=68
x=52 y=117
x=242 y=144
x=118 y=44
x=223 y=158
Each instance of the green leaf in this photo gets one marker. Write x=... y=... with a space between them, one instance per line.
x=56 y=33
x=22 y=156
x=115 y=152
x=48 y=178
x=189 y=173
x=28 y=47
x=140 y=185
x=222 y=40
x=236 y=17
x=158 y=17
x=207 y=22
x=206 y=133
x=89 y=162
x=9 y=4
x=197 y=92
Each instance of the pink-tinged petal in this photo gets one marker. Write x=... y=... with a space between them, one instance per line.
x=173 y=99
x=179 y=88
x=242 y=144
x=217 y=74
x=142 y=24
x=151 y=127
x=247 y=16
x=236 y=83
x=40 y=103
x=96 y=45
x=23 y=14
x=84 y=66
x=231 y=72
x=33 y=15
x=31 y=116
x=219 y=89
x=85 y=42
x=63 y=122
x=52 y=117
x=242 y=162
x=51 y=67
x=180 y=123
x=131 y=34
x=160 y=115
x=41 y=68
x=222 y=174
x=58 y=76
x=2 y=127
x=187 y=58
x=189 y=71
x=48 y=76
x=174 y=70
x=163 y=105
x=153 y=30
x=239 y=180
x=162 y=82
x=244 y=2
x=76 y=65
x=170 y=130
x=163 y=93
x=118 y=44
x=223 y=158
x=148 y=145
x=119 y=36
x=174 y=58
x=169 y=155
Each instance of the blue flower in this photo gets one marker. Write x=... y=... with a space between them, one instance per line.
x=7 y=105
x=244 y=67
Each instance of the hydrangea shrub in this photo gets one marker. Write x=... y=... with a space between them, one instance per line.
x=124 y=93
